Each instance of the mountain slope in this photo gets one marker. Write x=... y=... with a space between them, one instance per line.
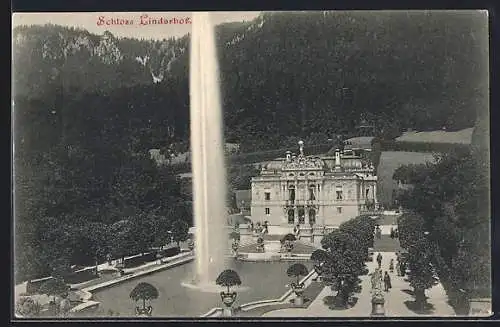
x=282 y=74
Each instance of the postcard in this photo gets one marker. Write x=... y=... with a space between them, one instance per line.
x=319 y=164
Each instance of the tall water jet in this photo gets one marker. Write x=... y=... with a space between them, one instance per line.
x=207 y=153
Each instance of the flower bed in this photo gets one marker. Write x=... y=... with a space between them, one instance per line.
x=150 y=257
x=169 y=252
x=139 y=260
x=80 y=276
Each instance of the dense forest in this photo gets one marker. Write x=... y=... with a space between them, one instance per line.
x=88 y=107
x=450 y=202
x=283 y=74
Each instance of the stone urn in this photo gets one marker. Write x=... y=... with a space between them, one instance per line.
x=318 y=269
x=288 y=247
x=64 y=307
x=144 y=312
x=257 y=232
x=109 y=259
x=27 y=307
x=191 y=245
x=260 y=245
x=298 y=289
x=235 y=246
x=378 y=301
x=228 y=299
x=120 y=272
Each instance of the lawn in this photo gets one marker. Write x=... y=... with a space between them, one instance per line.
x=463 y=136
x=389 y=162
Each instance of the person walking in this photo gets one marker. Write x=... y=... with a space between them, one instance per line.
x=391 y=266
x=387 y=282
x=379 y=259
x=403 y=268
x=392 y=233
x=398 y=268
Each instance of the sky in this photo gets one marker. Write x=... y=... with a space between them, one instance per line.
x=98 y=22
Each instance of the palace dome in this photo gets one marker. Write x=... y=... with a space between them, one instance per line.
x=274 y=165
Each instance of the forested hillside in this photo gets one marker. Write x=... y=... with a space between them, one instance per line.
x=87 y=108
x=283 y=74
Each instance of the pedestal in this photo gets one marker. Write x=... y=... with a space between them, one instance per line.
x=228 y=300
x=378 y=309
x=299 y=292
x=144 y=312
x=480 y=307
x=299 y=300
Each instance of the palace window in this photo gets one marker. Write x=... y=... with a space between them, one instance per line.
x=267 y=196
x=268 y=211
x=339 y=209
x=311 y=192
x=312 y=216
x=291 y=216
x=339 y=192
x=367 y=192
x=302 y=217
x=291 y=193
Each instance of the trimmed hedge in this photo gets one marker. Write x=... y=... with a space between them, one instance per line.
x=139 y=260
x=260 y=156
x=81 y=276
x=255 y=157
x=150 y=257
x=170 y=252
x=391 y=145
x=33 y=287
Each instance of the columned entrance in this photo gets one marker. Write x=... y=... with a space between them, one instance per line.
x=291 y=216
x=312 y=216
x=302 y=215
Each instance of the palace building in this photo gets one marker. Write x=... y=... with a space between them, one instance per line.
x=312 y=190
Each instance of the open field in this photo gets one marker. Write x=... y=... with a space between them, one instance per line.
x=462 y=137
x=389 y=162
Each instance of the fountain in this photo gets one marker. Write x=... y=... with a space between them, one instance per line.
x=207 y=153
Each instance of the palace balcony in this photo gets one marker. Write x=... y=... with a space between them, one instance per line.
x=301 y=202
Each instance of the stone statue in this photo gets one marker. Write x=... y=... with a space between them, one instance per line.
x=301 y=148
x=377 y=294
x=376 y=280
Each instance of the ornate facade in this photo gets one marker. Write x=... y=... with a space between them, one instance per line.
x=311 y=190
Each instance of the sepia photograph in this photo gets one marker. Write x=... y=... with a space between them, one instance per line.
x=273 y=164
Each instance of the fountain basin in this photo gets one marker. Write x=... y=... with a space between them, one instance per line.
x=178 y=297
x=255 y=257
x=211 y=287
